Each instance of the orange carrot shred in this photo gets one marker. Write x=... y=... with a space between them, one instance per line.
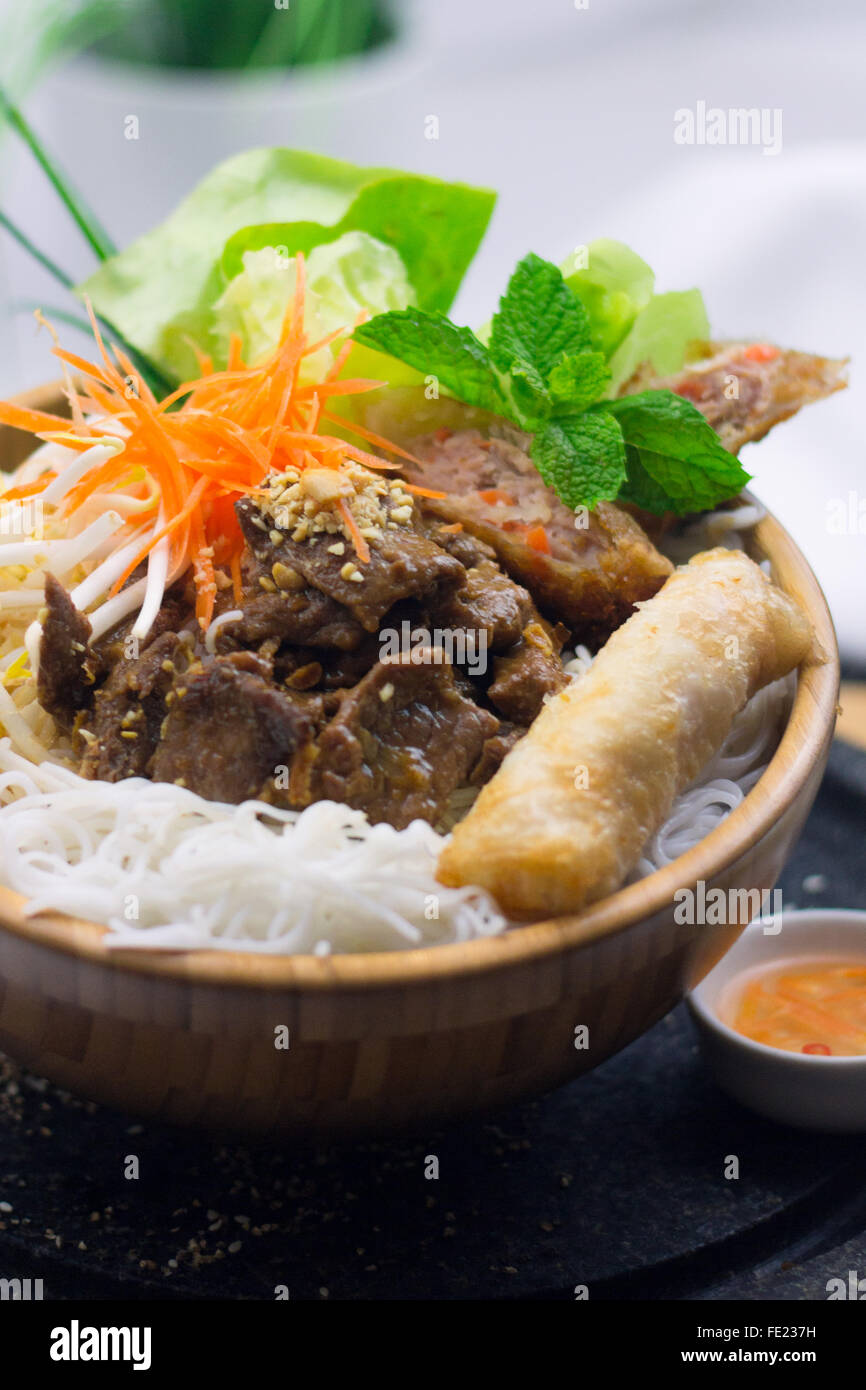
x=190 y=456
x=362 y=550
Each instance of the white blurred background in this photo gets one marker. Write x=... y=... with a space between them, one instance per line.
x=568 y=110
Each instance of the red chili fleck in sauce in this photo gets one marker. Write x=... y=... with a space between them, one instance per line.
x=789 y=1006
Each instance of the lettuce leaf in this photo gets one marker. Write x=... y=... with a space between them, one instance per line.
x=631 y=324
x=356 y=272
x=162 y=291
x=661 y=335
x=613 y=284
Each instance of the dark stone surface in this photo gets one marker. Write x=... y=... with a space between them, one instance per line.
x=616 y=1181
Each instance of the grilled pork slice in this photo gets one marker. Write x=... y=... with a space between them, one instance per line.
x=65 y=681
x=123 y=728
x=744 y=389
x=401 y=741
x=527 y=675
x=587 y=569
x=228 y=732
x=403 y=563
x=488 y=602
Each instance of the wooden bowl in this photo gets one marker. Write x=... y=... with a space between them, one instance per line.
x=399 y=1039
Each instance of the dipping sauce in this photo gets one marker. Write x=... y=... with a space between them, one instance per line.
x=817 y=1007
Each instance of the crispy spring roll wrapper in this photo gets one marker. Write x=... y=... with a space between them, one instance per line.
x=564 y=820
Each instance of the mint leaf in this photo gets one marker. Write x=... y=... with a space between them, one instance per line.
x=579 y=380
x=539 y=321
x=581 y=457
x=640 y=489
x=653 y=449
x=437 y=347
x=669 y=440
x=530 y=399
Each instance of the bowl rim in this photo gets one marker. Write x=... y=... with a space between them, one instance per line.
x=709 y=1021
x=804 y=740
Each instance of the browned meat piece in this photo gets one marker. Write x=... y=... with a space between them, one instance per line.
x=292 y=611
x=744 y=389
x=308 y=618
x=595 y=572
x=123 y=729
x=340 y=670
x=525 y=675
x=176 y=613
x=465 y=547
x=403 y=563
x=400 y=743
x=253 y=663
x=228 y=733
x=489 y=602
x=494 y=751
x=66 y=670
x=334 y=670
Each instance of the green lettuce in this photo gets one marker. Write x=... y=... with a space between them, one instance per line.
x=629 y=323
x=356 y=272
x=614 y=284
x=661 y=335
x=163 y=290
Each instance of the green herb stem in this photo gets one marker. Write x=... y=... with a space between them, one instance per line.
x=93 y=233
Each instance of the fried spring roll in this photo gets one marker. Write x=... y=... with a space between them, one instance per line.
x=770 y=384
x=565 y=818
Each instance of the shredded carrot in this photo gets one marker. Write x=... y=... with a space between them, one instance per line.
x=370 y=437
x=213 y=440
x=424 y=491
x=81 y=364
x=20 y=417
x=204 y=359
x=235 y=346
x=235 y=567
x=361 y=548
x=350 y=386
x=13 y=494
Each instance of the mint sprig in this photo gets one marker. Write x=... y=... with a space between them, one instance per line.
x=669 y=442
x=541 y=371
x=539 y=321
x=432 y=344
x=582 y=457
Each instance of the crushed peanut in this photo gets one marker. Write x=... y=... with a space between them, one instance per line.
x=326 y=485
x=287 y=579
x=304 y=504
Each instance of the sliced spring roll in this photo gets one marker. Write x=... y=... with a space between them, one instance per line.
x=565 y=818
x=744 y=389
x=587 y=575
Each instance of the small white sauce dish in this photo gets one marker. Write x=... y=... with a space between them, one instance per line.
x=815 y=1092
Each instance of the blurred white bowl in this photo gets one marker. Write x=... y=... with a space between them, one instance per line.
x=806 y=1091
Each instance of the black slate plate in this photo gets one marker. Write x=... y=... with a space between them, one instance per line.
x=616 y=1182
